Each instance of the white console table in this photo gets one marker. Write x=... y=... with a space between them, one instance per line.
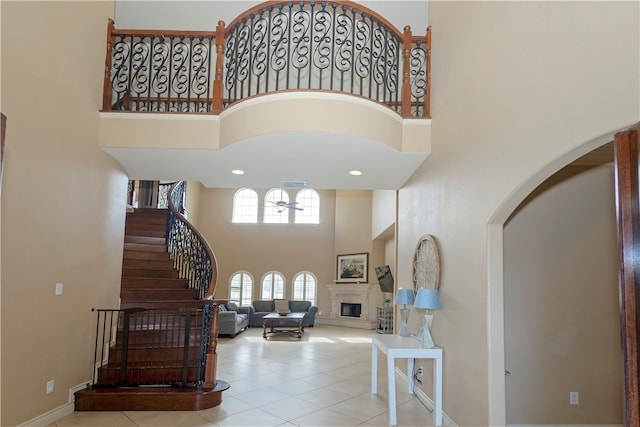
x=397 y=347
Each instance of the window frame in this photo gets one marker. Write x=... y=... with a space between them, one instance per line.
x=236 y=217
x=305 y=296
x=311 y=205
x=270 y=214
x=242 y=288
x=271 y=294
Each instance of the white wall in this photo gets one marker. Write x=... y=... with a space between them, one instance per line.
x=63 y=203
x=562 y=327
x=516 y=86
x=204 y=15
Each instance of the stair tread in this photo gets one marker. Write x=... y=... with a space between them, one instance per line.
x=149 y=398
x=144 y=247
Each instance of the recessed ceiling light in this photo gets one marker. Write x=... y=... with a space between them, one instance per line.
x=355 y=173
x=237 y=172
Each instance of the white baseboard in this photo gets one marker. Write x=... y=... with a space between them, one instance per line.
x=57 y=413
x=428 y=402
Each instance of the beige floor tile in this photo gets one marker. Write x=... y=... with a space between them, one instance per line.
x=363 y=407
x=322 y=380
x=290 y=408
x=239 y=387
x=229 y=406
x=88 y=419
x=326 y=418
x=261 y=396
x=324 y=397
x=352 y=388
x=168 y=419
x=253 y=418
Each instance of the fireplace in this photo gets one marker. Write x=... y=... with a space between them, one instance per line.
x=350 y=305
x=348 y=309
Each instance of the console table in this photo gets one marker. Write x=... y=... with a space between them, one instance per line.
x=397 y=347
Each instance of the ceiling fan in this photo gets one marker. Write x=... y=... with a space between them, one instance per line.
x=282 y=205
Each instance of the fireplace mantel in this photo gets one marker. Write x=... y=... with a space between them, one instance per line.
x=354 y=293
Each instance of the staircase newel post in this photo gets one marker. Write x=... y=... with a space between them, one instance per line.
x=106 y=86
x=212 y=355
x=406 y=72
x=427 y=95
x=216 y=106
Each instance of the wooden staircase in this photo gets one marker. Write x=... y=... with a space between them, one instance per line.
x=150 y=281
x=148 y=277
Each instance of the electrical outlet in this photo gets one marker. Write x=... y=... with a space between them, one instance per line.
x=419 y=374
x=50 y=386
x=574 y=398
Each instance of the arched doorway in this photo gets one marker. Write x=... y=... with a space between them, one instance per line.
x=496 y=279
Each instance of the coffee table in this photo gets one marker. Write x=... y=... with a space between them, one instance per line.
x=283 y=324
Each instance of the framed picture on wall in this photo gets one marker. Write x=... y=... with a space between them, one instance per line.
x=352 y=268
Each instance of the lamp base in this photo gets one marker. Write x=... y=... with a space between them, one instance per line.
x=404 y=329
x=425 y=333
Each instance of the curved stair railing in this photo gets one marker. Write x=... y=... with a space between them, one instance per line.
x=165 y=343
x=191 y=254
x=335 y=46
x=196 y=262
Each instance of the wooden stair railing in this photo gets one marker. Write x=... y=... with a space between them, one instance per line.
x=153 y=343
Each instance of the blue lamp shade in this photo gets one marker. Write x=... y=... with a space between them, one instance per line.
x=404 y=296
x=427 y=298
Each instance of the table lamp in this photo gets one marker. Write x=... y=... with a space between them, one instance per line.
x=427 y=299
x=404 y=297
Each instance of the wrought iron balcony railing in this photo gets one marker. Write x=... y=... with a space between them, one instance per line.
x=337 y=46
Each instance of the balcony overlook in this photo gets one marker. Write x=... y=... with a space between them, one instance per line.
x=304 y=90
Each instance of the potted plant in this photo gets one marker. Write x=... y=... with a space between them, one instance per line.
x=387 y=302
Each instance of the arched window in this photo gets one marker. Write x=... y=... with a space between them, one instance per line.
x=241 y=288
x=245 y=206
x=272 y=285
x=309 y=200
x=304 y=287
x=275 y=206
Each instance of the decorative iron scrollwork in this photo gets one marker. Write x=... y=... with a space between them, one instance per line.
x=314 y=45
x=158 y=73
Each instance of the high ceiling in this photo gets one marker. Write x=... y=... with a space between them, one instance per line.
x=320 y=159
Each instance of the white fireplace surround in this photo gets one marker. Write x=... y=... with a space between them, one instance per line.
x=351 y=293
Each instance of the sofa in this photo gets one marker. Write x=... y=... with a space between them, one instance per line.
x=259 y=308
x=232 y=319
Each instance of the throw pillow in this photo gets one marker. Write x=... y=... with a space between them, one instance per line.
x=282 y=305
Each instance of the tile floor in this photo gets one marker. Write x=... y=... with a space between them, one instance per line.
x=323 y=379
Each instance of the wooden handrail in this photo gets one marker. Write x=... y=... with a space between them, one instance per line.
x=205 y=244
